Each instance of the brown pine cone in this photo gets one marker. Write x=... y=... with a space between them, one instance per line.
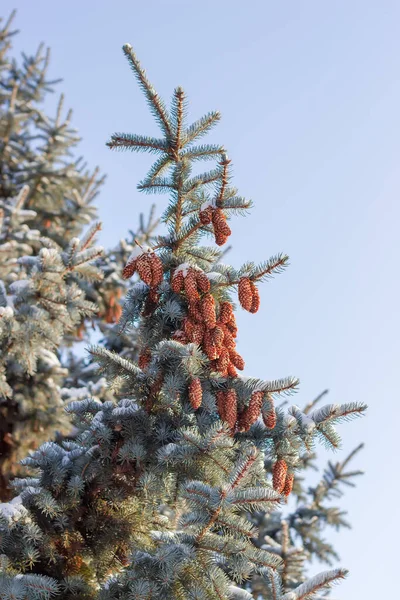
x=195 y=393
x=252 y=411
x=279 y=472
x=231 y=408
x=188 y=328
x=143 y=265
x=190 y=285
x=198 y=333
x=232 y=327
x=228 y=341
x=255 y=305
x=129 y=269
x=245 y=293
x=236 y=359
x=157 y=269
x=203 y=283
x=144 y=358
x=207 y=307
x=205 y=215
x=221 y=404
x=220 y=238
x=232 y=371
x=223 y=361
x=177 y=282
x=218 y=336
x=195 y=313
x=225 y=312
x=288 y=484
x=269 y=414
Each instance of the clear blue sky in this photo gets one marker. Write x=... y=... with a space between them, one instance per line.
x=310 y=96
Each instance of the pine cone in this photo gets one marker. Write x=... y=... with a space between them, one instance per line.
x=255 y=305
x=157 y=270
x=217 y=335
x=221 y=238
x=221 y=404
x=195 y=313
x=205 y=215
x=223 y=361
x=231 y=370
x=198 y=333
x=236 y=359
x=177 y=282
x=225 y=312
x=245 y=293
x=129 y=269
x=288 y=484
x=228 y=341
x=232 y=327
x=231 y=408
x=252 y=411
x=144 y=358
x=191 y=287
x=207 y=307
x=269 y=415
x=279 y=472
x=203 y=283
x=209 y=347
x=188 y=328
x=143 y=265
x=195 y=393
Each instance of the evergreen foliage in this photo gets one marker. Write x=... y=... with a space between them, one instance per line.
x=52 y=285
x=159 y=494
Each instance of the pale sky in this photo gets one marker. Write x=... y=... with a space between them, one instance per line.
x=309 y=92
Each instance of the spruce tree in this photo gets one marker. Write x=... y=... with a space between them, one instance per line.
x=158 y=494
x=47 y=199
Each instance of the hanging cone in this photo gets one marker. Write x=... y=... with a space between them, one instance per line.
x=228 y=340
x=279 y=472
x=251 y=413
x=232 y=371
x=205 y=215
x=236 y=359
x=144 y=358
x=225 y=312
x=129 y=269
x=198 y=333
x=188 y=328
x=231 y=408
x=217 y=335
x=190 y=284
x=223 y=361
x=288 y=484
x=195 y=393
x=203 y=283
x=255 y=305
x=207 y=307
x=231 y=325
x=143 y=265
x=221 y=404
x=245 y=293
x=177 y=282
x=157 y=270
x=269 y=416
x=209 y=347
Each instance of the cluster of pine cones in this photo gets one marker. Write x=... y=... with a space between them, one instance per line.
x=215 y=215
x=150 y=270
x=216 y=336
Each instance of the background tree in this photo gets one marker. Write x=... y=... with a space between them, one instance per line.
x=47 y=202
x=188 y=434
